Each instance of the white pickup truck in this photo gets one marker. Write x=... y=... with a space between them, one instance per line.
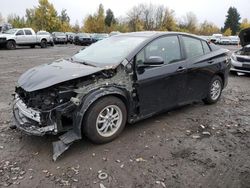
x=23 y=37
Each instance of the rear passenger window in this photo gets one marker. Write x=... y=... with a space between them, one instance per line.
x=27 y=32
x=205 y=47
x=193 y=47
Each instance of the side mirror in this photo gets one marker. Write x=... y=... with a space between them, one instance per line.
x=154 y=60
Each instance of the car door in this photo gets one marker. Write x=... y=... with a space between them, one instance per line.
x=160 y=87
x=20 y=37
x=29 y=38
x=199 y=68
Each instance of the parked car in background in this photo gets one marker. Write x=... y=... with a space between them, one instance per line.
x=224 y=41
x=99 y=36
x=215 y=38
x=83 y=39
x=22 y=37
x=234 y=40
x=59 y=38
x=124 y=78
x=48 y=37
x=70 y=37
x=241 y=59
x=114 y=33
x=5 y=27
x=207 y=38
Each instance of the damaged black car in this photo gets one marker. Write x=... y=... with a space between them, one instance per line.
x=119 y=80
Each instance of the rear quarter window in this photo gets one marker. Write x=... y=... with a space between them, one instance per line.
x=193 y=47
x=206 y=48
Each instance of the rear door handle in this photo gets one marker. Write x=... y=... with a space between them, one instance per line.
x=210 y=61
x=181 y=69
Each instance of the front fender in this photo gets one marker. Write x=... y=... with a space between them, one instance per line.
x=90 y=98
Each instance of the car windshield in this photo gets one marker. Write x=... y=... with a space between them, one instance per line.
x=109 y=51
x=10 y=31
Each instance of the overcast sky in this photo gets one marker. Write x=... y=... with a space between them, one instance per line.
x=211 y=10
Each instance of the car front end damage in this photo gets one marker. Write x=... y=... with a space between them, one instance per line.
x=39 y=114
x=60 y=108
x=240 y=60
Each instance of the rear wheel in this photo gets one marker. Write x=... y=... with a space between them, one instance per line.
x=44 y=44
x=105 y=120
x=11 y=45
x=214 y=91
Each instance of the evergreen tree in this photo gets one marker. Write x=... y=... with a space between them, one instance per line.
x=232 y=20
x=110 y=18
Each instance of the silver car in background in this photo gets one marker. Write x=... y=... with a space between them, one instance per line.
x=240 y=59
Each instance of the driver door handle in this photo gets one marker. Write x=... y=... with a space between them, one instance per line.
x=181 y=69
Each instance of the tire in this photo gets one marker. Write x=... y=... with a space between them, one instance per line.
x=95 y=131
x=11 y=45
x=214 y=91
x=44 y=44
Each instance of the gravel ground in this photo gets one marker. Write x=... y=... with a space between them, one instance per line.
x=193 y=146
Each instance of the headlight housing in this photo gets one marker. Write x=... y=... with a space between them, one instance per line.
x=234 y=57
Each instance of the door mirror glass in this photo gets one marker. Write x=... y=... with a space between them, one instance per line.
x=154 y=60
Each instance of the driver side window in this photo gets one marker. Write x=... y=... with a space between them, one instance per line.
x=166 y=47
x=20 y=32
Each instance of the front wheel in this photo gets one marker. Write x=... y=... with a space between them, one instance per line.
x=105 y=120
x=214 y=91
x=11 y=45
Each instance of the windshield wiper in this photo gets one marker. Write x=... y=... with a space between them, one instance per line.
x=82 y=62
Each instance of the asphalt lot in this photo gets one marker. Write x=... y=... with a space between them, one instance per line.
x=193 y=146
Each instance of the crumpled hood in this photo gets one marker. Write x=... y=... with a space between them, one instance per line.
x=244 y=36
x=47 y=75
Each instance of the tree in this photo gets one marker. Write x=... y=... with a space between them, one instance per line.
x=64 y=19
x=245 y=24
x=189 y=23
x=232 y=20
x=1 y=19
x=169 y=21
x=30 y=18
x=208 y=28
x=228 y=32
x=110 y=18
x=16 y=21
x=64 y=16
x=46 y=17
x=76 y=27
x=95 y=23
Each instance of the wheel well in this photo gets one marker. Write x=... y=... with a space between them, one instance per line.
x=122 y=98
x=11 y=40
x=222 y=77
x=44 y=40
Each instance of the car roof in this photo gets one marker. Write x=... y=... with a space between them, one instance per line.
x=155 y=34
